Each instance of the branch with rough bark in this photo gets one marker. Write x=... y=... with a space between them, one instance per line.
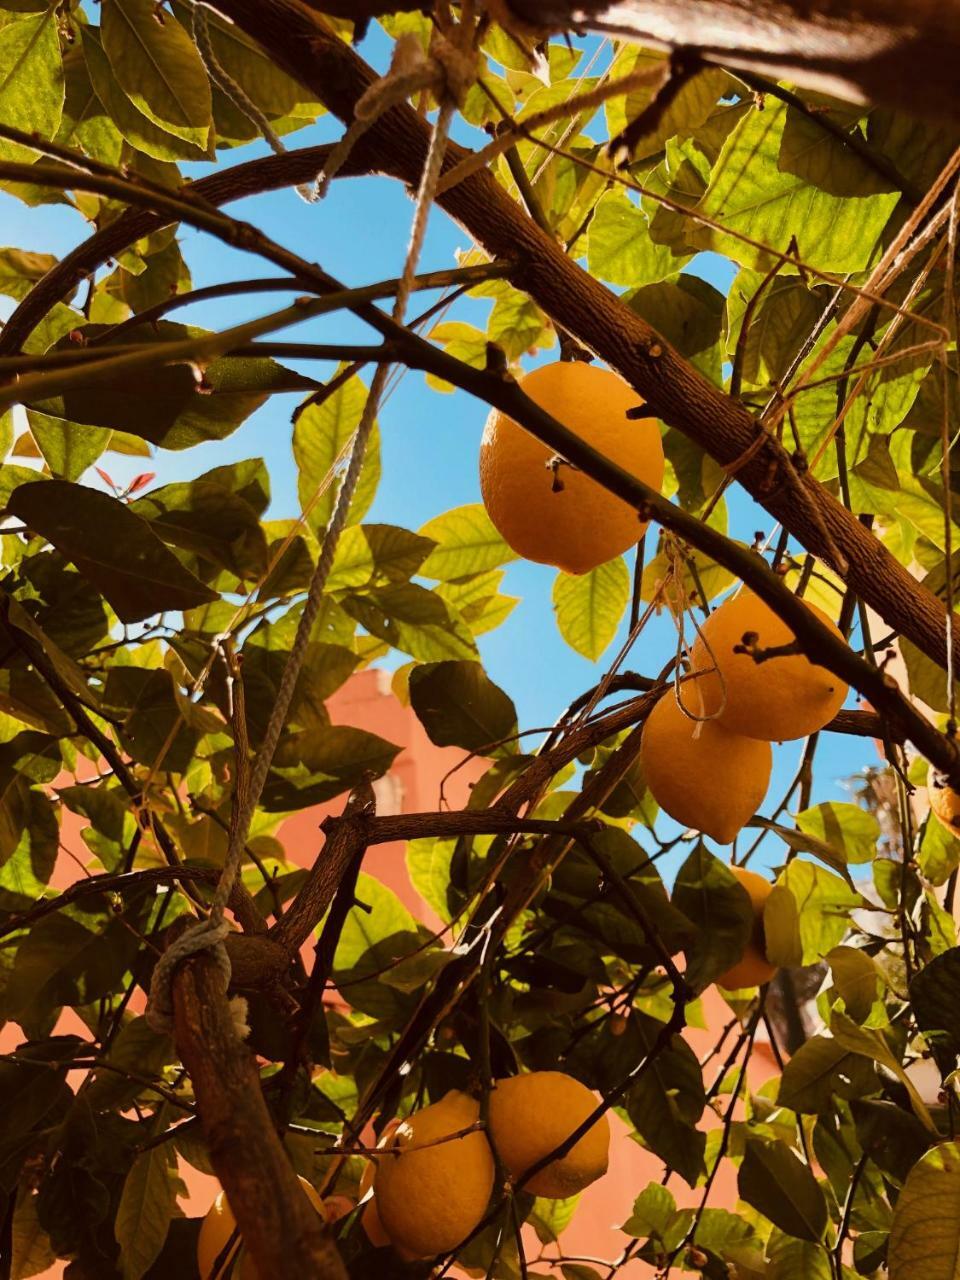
x=283 y=1233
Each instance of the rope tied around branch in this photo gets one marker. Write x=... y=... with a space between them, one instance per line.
x=210 y=934
x=449 y=67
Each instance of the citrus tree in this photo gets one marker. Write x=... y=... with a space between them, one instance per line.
x=168 y=649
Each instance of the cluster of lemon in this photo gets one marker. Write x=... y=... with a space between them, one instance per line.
x=705 y=752
x=429 y=1186
x=428 y=1190
x=707 y=762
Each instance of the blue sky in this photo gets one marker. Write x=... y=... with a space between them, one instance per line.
x=430 y=441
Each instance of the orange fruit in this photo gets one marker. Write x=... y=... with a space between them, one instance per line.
x=428 y=1201
x=562 y=517
x=531 y=1115
x=753 y=969
x=699 y=772
x=945 y=805
x=781 y=698
x=218 y=1226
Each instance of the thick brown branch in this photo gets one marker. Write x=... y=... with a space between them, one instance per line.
x=300 y=42
x=880 y=52
x=282 y=1231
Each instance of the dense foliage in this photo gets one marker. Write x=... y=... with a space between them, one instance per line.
x=123 y=614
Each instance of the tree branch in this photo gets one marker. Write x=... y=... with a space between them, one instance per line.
x=283 y=1233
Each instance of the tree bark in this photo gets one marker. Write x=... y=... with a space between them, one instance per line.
x=282 y=1231
x=895 y=53
x=303 y=45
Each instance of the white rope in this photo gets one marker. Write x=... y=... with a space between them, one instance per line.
x=210 y=934
x=238 y=95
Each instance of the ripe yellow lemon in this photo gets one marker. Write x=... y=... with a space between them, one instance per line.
x=945 y=805
x=753 y=969
x=532 y=1114
x=698 y=772
x=218 y=1226
x=560 y=516
x=429 y=1200
x=782 y=698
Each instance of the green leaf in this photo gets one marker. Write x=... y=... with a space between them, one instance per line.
x=460 y=706
x=68 y=448
x=70 y=958
x=283 y=100
x=619 y=247
x=718 y=906
x=33 y=1253
x=925 y=1233
x=31 y=79
x=319 y=763
x=146 y=1207
x=136 y=129
x=850 y=830
x=807 y=914
x=798 y=1260
x=205 y=518
x=165 y=404
x=159 y=67
x=688 y=312
x=113 y=548
x=550 y=1217
x=86 y=125
x=589 y=606
x=779 y=176
x=873 y=1045
x=933 y=999
x=655 y=1217
x=856 y=979
x=412 y=619
x=374 y=937
x=428 y=866
x=369 y=553
x=467 y=543
x=778 y=1184
x=20 y=271
x=667 y=1101
x=320 y=435
x=820 y=1071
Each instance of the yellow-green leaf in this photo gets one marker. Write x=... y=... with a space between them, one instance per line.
x=589 y=606
x=159 y=67
x=925 y=1235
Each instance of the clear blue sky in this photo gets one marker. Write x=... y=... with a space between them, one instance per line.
x=430 y=441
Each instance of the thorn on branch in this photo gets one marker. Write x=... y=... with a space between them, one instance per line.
x=554 y=464
x=750 y=645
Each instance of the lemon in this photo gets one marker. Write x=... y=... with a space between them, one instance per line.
x=698 y=772
x=531 y=1115
x=753 y=969
x=428 y=1201
x=217 y=1228
x=564 y=518
x=945 y=805
x=781 y=698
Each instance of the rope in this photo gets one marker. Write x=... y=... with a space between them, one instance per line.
x=238 y=95
x=210 y=934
